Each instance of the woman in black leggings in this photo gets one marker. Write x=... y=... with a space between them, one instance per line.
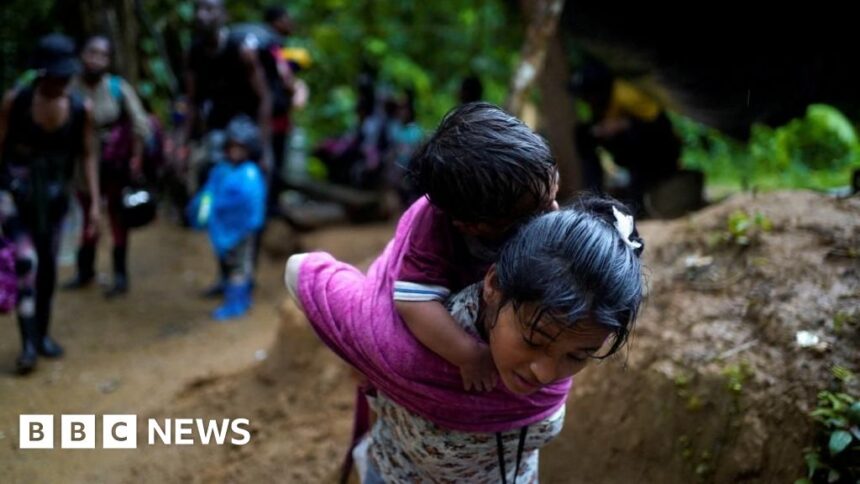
x=44 y=131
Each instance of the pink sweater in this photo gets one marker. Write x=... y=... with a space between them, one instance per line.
x=354 y=315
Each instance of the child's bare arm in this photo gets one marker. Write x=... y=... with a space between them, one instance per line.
x=434 y=327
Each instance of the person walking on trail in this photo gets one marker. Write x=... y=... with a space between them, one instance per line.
x=45 y=130
x=231 y=206
x=122 y=129
x=225 y=78
x=286 y=89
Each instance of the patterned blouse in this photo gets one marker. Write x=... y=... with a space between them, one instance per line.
x=405 y=447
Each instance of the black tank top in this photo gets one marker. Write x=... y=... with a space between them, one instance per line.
x=222 y=85
x=28 y=147
x=38 y=165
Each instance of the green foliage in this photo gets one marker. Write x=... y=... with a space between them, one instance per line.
x=412 y=44
x=838 y=425
x=21 y=22
x=736 y=376
x=842 y=319
x=842 y=374
x=818 y=151
x=743 y=229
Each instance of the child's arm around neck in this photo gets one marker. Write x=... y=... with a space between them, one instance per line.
x=435 y=328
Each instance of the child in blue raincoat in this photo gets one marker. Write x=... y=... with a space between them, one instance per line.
x=231 y=206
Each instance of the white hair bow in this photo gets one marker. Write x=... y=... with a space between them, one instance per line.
x=624 y=225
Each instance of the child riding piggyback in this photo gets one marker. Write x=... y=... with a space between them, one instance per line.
x=483 y=174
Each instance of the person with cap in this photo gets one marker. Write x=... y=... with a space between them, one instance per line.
x=44 y=131
x=123 y=128
x=231 y=206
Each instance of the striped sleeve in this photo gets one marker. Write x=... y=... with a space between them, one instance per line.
x=410 y=291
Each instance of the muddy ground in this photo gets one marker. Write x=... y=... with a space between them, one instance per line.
x=713 y=388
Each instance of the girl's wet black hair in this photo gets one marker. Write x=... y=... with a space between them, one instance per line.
x=574 y=264
x=482 y=165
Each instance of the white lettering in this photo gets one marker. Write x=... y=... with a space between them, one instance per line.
x=237 y=429
x=183 y=427
x=212 y=427
x=164 y=434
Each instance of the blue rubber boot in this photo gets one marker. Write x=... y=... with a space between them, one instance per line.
x=237 y=302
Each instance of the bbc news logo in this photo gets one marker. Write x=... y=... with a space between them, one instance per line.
x=120 y=431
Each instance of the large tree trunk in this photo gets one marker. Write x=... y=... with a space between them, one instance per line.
x=557 y=118
x=125 y=41
x=544 y=63
x=543 y=18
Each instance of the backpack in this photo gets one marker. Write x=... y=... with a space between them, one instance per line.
x=117 y=142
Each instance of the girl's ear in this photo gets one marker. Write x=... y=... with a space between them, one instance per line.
x=491 y=294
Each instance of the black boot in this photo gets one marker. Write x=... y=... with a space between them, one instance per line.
x=216 y=290
x=26 y=361
x=120 y=277
x=86 y=269
x=45 y=345
x=49 y=348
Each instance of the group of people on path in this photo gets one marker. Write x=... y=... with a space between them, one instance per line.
x=69 y=132
x=72 y=130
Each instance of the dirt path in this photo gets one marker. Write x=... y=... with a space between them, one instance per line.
x=136 y=355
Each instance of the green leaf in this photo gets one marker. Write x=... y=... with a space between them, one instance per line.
x=803 y=481
x=838 y=422
x=833 y=475
x=854 y=412
x=147 y=45
x=146 y=88
x=843 y=374
x=839 y=440
x=376 y=46
x=763 y=222
x=813 y=463
x=823 y=412
x=185 y=11
x=837 y=403
x=834 y=121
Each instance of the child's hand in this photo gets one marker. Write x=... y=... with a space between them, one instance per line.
x=479 y=373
